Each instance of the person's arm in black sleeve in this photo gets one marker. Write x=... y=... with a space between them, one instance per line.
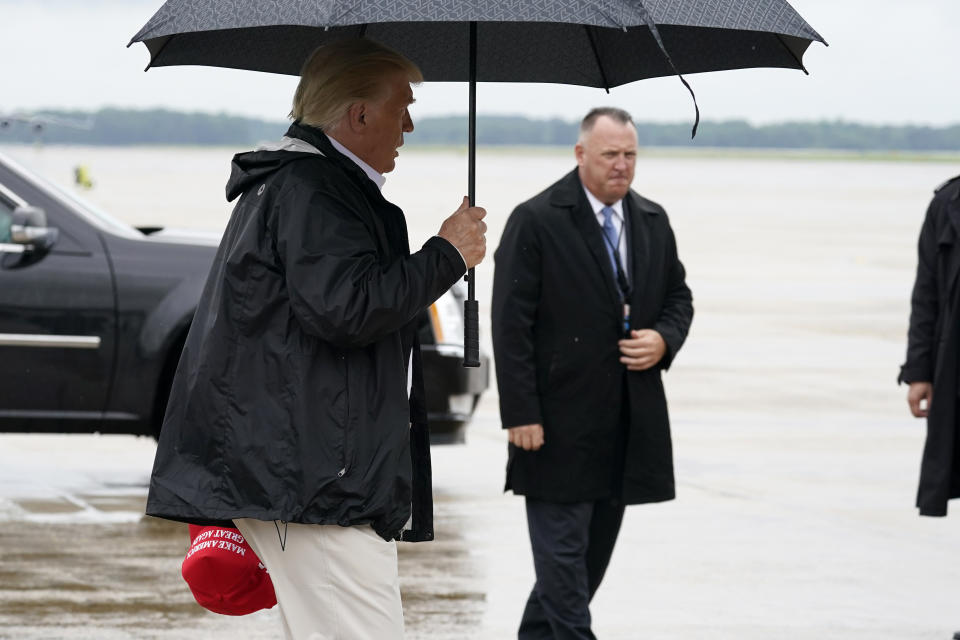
x=676 y=313
x=338 y=289
x=516 y=290
x=923 y=305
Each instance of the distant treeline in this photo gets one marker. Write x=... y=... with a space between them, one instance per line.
x=163 y=127
x=136 y=127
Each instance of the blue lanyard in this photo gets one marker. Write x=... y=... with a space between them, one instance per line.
x=623 y=286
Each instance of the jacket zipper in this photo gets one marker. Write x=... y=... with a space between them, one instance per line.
x=346 y=419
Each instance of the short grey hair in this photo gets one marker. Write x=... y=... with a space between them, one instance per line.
x=591 y=118
x=342 y=73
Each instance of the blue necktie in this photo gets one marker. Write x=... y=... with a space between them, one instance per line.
x=612 y=239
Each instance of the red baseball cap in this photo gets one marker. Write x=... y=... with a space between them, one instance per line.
x=224 y=574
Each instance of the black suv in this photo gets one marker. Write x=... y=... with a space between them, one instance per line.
x=94 y=312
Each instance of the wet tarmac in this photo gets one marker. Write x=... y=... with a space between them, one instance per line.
x=89 y=565
x=787 y=527
x=121 y=580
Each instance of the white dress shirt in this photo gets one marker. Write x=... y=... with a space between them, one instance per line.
x=616 y=220
x=378 y=178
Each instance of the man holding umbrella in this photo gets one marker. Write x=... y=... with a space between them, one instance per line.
x=589 y=306
x=297 y=408
x=597 y=44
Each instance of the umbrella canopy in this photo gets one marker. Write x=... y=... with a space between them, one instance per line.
x=604 y=43
x=599 y=43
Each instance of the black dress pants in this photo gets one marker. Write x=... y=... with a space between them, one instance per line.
x=572 y=544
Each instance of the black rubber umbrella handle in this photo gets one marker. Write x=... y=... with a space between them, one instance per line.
x=471 y=330
x=471 y=310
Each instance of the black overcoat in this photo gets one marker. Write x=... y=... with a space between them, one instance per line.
x=290 y=399
x=557 y=318
x=932 y=348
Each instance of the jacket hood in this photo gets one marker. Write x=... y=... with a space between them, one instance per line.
x=254 y=166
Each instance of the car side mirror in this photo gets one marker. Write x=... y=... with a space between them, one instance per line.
x=29 y=228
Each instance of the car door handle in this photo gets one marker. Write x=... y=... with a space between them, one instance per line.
x=56 y=341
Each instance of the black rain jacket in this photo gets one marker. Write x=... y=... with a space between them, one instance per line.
x=290 y=399
x=933 y=347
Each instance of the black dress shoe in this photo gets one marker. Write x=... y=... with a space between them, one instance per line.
x=956 y=636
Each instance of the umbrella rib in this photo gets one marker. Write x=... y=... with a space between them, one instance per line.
x=792 y=54
x=159 y=51
x=596 y=56
x=663 y=49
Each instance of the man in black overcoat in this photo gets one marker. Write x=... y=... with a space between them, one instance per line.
x=932 y=350
x=589 y=306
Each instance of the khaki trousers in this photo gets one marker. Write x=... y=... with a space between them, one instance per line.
x=332 y=583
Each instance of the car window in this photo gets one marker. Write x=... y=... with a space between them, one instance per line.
x=73 y=202
x=6 y=219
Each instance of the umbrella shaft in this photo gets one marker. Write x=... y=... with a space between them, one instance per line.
x=471 y=313
x=472 y=141
x=472 y=135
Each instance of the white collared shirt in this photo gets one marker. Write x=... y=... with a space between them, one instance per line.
x=616 y=220
x=378 y=178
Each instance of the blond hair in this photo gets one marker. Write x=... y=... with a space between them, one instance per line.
x=342 y=73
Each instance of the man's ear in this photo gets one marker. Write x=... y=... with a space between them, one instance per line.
x=578 y=153
x=357 y=117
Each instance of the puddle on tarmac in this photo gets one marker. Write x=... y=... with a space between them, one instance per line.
x=48 y=506
x=110 y=580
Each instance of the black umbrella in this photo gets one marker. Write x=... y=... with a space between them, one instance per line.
x=604 y=43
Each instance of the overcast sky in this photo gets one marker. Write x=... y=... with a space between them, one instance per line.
x=888 y=62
